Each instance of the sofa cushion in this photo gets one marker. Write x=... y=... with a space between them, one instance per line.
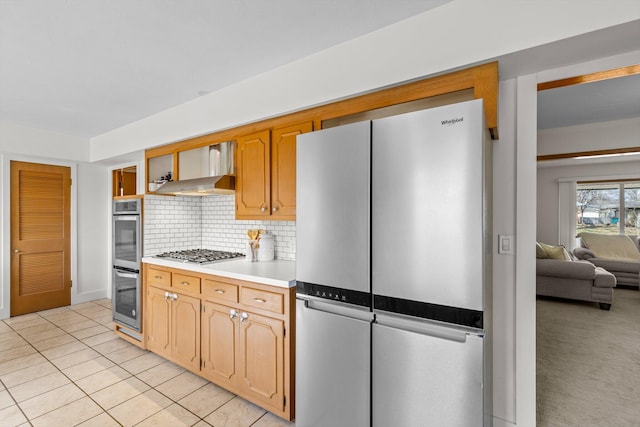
x=611 y=246
x=572 y=270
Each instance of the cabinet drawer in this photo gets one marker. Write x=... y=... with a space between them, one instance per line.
x=220 y=290
x=265 y=300
x=158 y=277
x=185 y=283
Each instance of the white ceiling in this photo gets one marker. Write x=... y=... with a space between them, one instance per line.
x=84 y=67
x=606 y=100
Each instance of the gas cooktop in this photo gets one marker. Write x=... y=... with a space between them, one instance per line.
x=200 y=256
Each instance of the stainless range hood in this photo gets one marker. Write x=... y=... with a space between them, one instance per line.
x=208 y=170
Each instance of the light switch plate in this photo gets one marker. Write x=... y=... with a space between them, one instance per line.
x=505 y=244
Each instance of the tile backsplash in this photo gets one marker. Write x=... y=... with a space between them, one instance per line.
x=186 y=222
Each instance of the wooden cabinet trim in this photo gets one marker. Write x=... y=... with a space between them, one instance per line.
x=483 y=79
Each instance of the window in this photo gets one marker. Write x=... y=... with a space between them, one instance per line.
x=608 y=207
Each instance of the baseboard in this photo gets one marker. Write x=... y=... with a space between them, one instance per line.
x=88 y=296
x=499 y=422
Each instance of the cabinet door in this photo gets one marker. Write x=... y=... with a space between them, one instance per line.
x=261 y=359
x=283 y=170
x=219 y=340
x=253 y=172
x=185 y=331
x=158 y=321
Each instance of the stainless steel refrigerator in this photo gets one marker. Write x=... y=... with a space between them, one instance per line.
x=393 y=271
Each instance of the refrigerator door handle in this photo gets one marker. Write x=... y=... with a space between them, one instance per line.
x=451 y=333
x=336 y=307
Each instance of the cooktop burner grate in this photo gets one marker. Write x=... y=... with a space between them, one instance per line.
x=200 y=256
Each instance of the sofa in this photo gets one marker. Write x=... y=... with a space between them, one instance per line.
x=619 y=254
x=562 y=276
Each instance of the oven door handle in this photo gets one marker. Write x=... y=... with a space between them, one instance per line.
x=129 y=275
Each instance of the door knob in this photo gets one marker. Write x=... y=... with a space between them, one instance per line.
x=16 y=251
x=263 y=209
x=275 y=209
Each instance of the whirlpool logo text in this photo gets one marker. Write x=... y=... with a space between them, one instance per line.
x=452 y=121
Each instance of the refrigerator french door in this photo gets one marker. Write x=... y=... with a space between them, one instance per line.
x=333 y=300
x=430 y=268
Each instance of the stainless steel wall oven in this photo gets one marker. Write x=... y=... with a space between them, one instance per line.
x=127 y=253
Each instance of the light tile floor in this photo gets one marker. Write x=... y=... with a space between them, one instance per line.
x=66 y=367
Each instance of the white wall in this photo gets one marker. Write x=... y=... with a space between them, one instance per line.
x=94 y=214
x=18 y=139
x=504 y=403
x=547 y=221
x=590 y=137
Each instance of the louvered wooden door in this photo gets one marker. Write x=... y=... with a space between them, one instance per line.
x=40 y=237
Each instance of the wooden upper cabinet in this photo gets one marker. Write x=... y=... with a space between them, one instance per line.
x=266 y=173
x=124 y=182
x=283 y=170
x=253 y=169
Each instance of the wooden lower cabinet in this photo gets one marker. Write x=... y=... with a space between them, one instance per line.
x=260 y=357
x=219 y=343
x=185 y=331
x=173 y=326
x=235 y=333
x=158 y=321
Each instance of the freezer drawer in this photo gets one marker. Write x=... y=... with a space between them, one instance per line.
x=426 y=379
x=332 y=365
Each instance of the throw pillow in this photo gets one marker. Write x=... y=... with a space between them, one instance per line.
x=556 y=252
x=540 y=252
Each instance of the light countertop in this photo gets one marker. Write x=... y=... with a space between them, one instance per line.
x=275 y=273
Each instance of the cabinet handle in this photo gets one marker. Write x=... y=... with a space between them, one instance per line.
x=260 y=300
x=275 y=209
x=174 y=297
x=219 y=291
x=166 y=295
x=243 y=317
x=157 y=277
x=232 y=313
x=184 y=283
x=263 y=209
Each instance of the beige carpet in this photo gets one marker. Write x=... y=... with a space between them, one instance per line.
x=588 y=362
